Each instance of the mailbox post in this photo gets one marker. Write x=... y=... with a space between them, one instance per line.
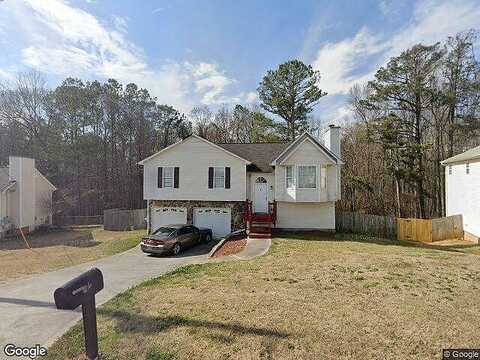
x=81 y=291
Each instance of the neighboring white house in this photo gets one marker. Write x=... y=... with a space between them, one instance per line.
x=462 y=187
x=25 y=195
x=212 y=185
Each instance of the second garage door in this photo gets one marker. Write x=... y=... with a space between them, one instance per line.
x=167 y=216
x=217 y=219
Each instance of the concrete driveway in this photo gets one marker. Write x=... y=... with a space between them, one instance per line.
x=27 y=311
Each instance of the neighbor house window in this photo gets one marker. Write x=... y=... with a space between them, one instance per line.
x=219 y=177
x=449 y=169
x=307 y=177
x=168 y=177
x=290 y=178
x=323 y=177
x=467 y=168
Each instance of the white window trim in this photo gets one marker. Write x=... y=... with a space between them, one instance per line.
x=293 y=176
x=224 y=176
x=323 y=173
x=173 y=177
x=316 y=176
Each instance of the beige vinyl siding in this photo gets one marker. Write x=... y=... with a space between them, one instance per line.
x=319 y=216
x=194 y=156
x=43 y=200
x=308 y=154
x=22 y=204
x=3 y=205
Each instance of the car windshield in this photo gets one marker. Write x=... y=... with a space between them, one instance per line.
x=164 y=230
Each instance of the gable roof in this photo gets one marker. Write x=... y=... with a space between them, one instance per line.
x=4 y=178
x=471 y=154
x=260 y=155
x=185 y=139
x=38 y=173
x=306 y=136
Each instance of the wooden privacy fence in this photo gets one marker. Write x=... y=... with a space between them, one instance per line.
x=450 y=227
x=430 y=230
x=381 y=226
x=121 y=220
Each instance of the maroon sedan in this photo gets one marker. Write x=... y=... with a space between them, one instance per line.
x=174 y=238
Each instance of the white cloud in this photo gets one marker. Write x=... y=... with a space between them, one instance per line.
x=251 y=97
x=68 y=41
x=337 y=62
x=356 y=59
x=389 y=7
x=209 y=81
x=433 y=21
x=6 y=75
x=120 y=23
x=157 y=10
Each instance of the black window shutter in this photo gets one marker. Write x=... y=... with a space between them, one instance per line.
x=210 y=177
x=227 y=178
x=159 y=177
x=176 y=177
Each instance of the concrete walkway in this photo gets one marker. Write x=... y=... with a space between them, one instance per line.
x=28 y=315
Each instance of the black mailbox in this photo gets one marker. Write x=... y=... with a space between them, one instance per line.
x=77 y=291
x=81 y=291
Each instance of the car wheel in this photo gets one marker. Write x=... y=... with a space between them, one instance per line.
x=176 y=249
x=208 y=238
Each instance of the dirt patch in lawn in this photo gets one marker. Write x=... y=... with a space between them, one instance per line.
x=231 y=247
x=58 y=249
x=306 y=299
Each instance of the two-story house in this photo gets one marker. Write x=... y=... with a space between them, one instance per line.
x=462 y=189
x=227 y=187
x=25 y=196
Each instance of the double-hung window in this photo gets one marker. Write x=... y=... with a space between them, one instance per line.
x=168 y=177
x=307 y=177
x=219 y=177
x=290 y=177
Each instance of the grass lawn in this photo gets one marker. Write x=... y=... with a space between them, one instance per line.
x=55 y=250
x=329 y=299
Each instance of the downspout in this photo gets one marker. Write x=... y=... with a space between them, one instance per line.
x=148 y=217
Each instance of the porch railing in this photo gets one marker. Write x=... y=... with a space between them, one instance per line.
x=271 y=216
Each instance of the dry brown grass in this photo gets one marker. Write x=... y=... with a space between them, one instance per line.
x=305 y=299
x=55 y=250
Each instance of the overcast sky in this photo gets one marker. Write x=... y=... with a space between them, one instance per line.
x=192 y=52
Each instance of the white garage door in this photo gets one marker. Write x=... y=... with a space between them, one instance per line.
x=219 y=220
x=167 y=216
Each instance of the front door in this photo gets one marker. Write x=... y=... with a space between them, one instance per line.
x=260 y=203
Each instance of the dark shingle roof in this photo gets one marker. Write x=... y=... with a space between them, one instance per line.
x=260 y=154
